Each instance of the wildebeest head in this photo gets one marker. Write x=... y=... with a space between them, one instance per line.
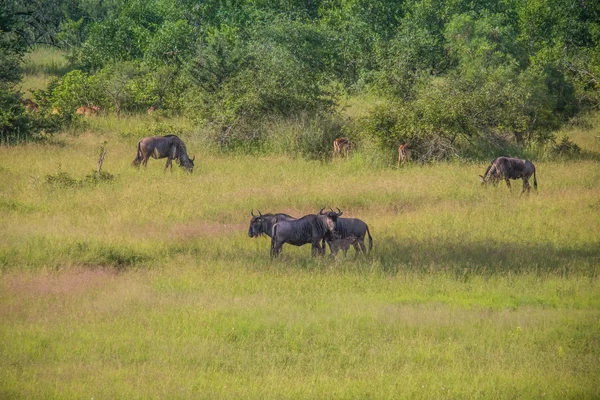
x=256 y=223
x=331 y=217
x=187 y=164
x=491 y=175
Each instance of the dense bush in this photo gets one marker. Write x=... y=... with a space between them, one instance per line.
x=457 y=78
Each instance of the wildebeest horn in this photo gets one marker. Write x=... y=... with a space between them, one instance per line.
x=193 y=158
x=252 y=213
x=339 y=212
x=259 y=213
x=321 y=212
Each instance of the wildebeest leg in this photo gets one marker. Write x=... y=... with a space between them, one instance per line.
x=526 y=186
x=145 y=161
x=507 y=183
x=356 y=249
x=362 y=245
x=276 y=249
x=330 y=248
x=317 y=249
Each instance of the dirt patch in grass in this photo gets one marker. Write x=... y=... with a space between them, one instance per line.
x=192 y=230
x=71 y=281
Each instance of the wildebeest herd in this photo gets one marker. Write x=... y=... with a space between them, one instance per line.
x=325 y=228
x=317 y=229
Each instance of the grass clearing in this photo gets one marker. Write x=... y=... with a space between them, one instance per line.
x=148 y=286
x=40 y=66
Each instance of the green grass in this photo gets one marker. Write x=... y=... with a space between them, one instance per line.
x=147 y=286
x=41 y=65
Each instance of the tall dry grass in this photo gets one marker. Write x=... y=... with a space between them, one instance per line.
x=147 y=285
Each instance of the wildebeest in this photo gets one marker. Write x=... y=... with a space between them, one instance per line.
x=404 y=154
x=342 y=244
x=88 y=110
x=510 y=168
x=309 y=229
x=341 y=147
x=169 y=146
x=350 y=227
x=263 y=223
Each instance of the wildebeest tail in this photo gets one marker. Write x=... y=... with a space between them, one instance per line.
x=138 y=157
x=534 y=179
x=273 y=241
x=370 y=239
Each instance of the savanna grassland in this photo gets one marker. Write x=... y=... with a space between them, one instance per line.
x=148 y=286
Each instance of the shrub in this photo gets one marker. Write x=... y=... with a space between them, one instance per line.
x=15 y=122
x=566 y=147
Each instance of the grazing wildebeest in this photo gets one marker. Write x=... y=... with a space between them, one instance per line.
x=311 y=228
x=404 y=154
x=169 y=146
x=350 y=227
x=263 y=223
x=510 y=168
x=341 y=147
x=88 y=110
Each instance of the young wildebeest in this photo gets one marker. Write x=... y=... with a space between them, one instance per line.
x=343 y=244
x=169 y=146
x=510 y=168
x=263 y=223
x=341 y=147
x=308 y=229
x=350 y=228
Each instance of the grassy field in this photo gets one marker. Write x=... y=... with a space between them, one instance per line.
x=147 y=285
x=41 y=65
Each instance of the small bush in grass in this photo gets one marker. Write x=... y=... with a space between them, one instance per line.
x=566 y=147
x=65 y=180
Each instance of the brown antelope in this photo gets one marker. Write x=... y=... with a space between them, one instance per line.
x=88 y=110
x=30 y=105
x=404 y=153
x=152 y=109
x=341 y=147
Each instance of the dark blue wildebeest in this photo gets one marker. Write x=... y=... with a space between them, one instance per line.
x=263 y=223
x=311 y=229
x=169 y=146
x=349 y=228
x=510 y=168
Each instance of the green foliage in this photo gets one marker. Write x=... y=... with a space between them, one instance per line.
x=74 y=90
x=470 y=75
x=15 y=123
x=64 y=180
x=171 y=45
x=111 y=41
